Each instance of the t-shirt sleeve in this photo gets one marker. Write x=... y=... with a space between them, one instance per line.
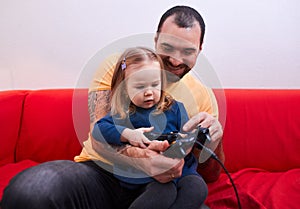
x=103 y=75
x=195 y=96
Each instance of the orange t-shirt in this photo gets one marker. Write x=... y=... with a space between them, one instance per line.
x=195 y=96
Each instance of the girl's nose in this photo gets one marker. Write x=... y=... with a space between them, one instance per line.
x=148 y=92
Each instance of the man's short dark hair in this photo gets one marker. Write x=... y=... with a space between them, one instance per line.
x=184 y=18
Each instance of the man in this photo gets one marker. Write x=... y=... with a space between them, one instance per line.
x=67 y=184
x=179 y=41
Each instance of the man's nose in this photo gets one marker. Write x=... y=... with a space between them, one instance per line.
x=176 y=60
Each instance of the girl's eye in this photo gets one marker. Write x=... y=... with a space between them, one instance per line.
x=139 y=87
x=155 y=84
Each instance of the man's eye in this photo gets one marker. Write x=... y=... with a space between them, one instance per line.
x=187 y=52
x=167 y=48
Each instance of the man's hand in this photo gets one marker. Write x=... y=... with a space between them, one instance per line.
x=210 y=169
x=161 y=168
x=206 y=120
x=170 y=174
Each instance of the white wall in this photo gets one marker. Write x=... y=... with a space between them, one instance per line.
x=48 y=43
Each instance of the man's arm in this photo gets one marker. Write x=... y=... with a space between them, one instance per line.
x=163 y=169
x=98 y=104
x=210 y=169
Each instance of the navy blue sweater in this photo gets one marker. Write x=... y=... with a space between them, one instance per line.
x=109 y=129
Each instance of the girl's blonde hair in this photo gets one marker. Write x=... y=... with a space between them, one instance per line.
x=120 y=101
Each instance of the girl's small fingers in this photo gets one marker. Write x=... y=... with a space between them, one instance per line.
x=147 y=129
x=146 y=140
x=142 y=145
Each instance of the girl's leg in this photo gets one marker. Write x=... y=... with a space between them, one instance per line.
x=191 y=193
x=156 y=195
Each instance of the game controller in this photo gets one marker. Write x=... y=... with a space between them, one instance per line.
x=181 y=143
x=170 y=137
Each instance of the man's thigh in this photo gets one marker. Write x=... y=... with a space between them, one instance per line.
x=62 y=184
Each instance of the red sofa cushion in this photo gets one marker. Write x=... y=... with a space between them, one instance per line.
x=258 y=136
x=11 y=103
x=47 y=131
x=257 y=188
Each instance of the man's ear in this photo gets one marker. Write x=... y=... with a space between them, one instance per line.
x=200 y=49
x=155 y=40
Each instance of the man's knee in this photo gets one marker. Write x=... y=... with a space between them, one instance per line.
x=44 y=184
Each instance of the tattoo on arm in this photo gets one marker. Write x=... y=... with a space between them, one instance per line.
x=98 y=104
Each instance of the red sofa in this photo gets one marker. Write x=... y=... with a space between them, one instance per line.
x=261 y=140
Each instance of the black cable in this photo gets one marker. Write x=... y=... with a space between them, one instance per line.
x=179 y=145
x=215 y=157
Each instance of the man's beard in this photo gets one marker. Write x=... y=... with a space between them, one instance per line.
x=169 y=67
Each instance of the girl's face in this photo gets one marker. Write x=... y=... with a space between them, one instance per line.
x=143 y=84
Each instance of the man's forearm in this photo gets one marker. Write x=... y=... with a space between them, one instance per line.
x=98 y=104
x=149 y=161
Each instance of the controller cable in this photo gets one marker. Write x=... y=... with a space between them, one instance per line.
x=215 y=157
x=179 y=148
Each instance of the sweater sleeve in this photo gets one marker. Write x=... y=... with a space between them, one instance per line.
x=105 y=130
x=182 y=115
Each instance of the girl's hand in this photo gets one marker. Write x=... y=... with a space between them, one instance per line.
x=136 y=137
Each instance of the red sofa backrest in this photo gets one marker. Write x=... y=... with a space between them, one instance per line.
x=262 y=128
x=47 y=131
x=11 y=106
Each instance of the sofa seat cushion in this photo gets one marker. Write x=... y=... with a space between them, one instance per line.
x=257 y=188
x=10 y=170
